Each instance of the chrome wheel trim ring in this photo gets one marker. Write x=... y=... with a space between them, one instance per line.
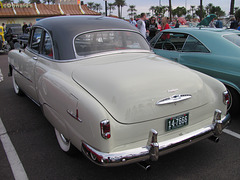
x=15 y=86
x=63 y=142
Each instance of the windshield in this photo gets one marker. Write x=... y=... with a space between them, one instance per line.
x=105 y=41
x=234 y=38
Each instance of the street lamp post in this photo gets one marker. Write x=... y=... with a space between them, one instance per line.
x=160 y=4
x=105 y=7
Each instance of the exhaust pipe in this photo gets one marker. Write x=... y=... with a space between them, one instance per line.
x=146 y=166
x=214 y=139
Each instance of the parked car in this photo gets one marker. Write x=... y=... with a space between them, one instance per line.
x=4 y=47
x=13 y=31
x=212 y=51
x=106 y=93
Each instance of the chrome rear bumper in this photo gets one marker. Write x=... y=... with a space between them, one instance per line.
x=154 y=149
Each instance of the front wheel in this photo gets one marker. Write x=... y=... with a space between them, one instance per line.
x=16 y=88
x=65 y=144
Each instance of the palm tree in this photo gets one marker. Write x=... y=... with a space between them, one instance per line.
x=232 y=6
x=209 y=7
x=120 y=4
x=192 y=9
x=201 y=10
x=90 y=5
x=170 y=10
x=34 y=1
x=111 y=7
x=97 y=7
x=132 y=10
x=152 y=8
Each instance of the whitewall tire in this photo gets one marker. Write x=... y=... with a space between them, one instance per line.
x=16 y=88
x=64 y=143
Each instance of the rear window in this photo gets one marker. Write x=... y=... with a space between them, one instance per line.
x=105 y=41
x=234 y=38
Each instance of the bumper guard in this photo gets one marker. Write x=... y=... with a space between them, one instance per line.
x=154 y=149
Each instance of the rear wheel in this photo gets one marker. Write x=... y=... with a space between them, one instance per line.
x=65 y=144
x=234 y=105
x=16 y=88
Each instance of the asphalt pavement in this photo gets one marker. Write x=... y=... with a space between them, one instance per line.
x=35 y=144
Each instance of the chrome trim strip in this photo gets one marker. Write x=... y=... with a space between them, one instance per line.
x=174 y=99
x=98 y=30
x=21 y=73
x=149 y=151
x=74 y=116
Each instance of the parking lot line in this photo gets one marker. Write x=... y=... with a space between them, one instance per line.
x=14 y=161
x=1 y=75
x=236 y=135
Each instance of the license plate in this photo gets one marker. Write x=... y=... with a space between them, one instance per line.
x=177 y=122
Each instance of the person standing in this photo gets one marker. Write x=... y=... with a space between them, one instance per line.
x=164 y=24
x=24 y=28
x=152 y=28
x=234 y=24
x=133 y=22
x=219 y=24
x=177 y=24
x=141 y=25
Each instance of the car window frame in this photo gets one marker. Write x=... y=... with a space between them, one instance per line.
x=40 y=53
x=40 y=47
x=43 y=40
x=209 y=51
x=167 y=32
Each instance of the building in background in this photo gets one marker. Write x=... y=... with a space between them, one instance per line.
x=14 y=13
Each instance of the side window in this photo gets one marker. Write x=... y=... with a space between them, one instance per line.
x=171 y=41
x=47 y=46
x=36 y=39
x=154 y=40
x=194 y=45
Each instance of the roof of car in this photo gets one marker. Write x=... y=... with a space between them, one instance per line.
x=194 y=31
x=63 y=30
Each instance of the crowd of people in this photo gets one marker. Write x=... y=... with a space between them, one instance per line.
x=149 y=27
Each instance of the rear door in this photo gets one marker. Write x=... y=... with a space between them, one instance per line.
x=169 y=45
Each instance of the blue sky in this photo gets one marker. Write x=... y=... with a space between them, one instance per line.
x=144 y=5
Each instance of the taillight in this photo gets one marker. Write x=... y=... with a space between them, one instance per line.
x=105 y=129
x=226 y=98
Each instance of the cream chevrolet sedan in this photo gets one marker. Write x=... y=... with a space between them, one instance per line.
x=108 y=95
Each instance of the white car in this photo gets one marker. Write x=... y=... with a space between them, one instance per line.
x=107 y=94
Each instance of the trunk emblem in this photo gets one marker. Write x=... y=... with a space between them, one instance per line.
x=172 y=90
x=174 y=99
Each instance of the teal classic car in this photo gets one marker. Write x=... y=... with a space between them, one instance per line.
x=215 y=52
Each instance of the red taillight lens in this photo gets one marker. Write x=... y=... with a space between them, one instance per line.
x=226 y=98
x=105 y=129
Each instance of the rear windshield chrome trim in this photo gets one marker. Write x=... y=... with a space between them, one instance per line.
x=81 y=58
x=98 y=30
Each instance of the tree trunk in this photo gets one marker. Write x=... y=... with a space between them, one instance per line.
x=119 y=15
x=170 y=10
x=232 y=7
x=201 y=10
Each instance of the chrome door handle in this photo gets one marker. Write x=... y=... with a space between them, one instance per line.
x=35 y=58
